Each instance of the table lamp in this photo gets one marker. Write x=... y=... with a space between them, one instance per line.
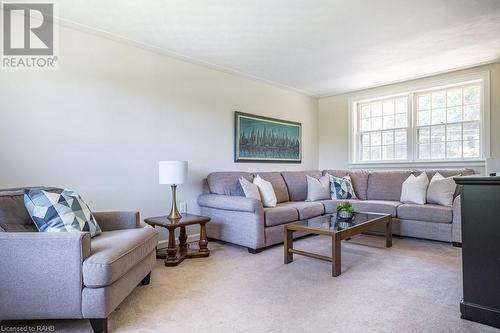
x=173 y=173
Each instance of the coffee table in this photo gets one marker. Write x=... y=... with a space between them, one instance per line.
x=174 y=254
x=338 y=229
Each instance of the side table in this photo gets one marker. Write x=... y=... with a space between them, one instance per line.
x=174 y=254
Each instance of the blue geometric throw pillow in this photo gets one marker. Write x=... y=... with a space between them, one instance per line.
x=65 y=212
x=341 y=188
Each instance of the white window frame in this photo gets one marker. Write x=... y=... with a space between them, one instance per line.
x=410 y=89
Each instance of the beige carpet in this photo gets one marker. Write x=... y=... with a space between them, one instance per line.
x=415 y=286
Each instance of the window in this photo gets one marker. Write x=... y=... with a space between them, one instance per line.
x=448 y=123
x=384 y=129
x=445 y=122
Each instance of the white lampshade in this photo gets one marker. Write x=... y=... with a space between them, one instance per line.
x=173 y=172
x=492 y=166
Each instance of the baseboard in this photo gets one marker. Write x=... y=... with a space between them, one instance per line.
x=191 y=239
x=480 y=314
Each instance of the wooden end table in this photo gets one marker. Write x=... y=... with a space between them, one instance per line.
x=174 y=254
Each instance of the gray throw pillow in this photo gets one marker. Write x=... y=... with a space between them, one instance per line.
x=65 y=212
x=318 y=189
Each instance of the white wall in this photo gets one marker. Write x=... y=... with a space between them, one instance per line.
x=334 y=115
x=101 y=123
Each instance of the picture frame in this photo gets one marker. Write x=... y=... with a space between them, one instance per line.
x=259 y=139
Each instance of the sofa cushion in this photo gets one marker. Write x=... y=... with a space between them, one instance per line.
x=278 y=183
x=386 y=185
x=428 y=212
x=279 y=215
x=297 y=183
x=329 y=205
x=13 y=214
x=305 y=209
x=372 y=206
x=114 y=253
x=227 y=183
x=359 y=180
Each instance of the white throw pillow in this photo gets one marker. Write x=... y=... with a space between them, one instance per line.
x=266 y=192
x=250 y=190
x=414 y=189
x=441 y=190
x=318 y=189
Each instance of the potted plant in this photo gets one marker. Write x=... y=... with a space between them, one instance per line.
x=345 y=210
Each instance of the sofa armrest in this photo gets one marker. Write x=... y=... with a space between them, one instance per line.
x=41 y=274
x=456 y=226
x=232 y=203
x=109 y=221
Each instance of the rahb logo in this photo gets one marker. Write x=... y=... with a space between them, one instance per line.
x=29 y=36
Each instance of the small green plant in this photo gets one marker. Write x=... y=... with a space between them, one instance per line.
x=345 y=206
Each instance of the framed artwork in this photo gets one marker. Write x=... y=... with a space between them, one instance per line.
x=263 y=139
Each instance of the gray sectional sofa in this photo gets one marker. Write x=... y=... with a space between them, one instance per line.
x=244 y=221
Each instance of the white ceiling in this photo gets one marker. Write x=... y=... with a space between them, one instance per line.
x=320 y=47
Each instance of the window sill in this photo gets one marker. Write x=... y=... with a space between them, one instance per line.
x=418 y=164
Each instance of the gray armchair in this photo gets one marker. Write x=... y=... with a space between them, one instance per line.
x=70 y=275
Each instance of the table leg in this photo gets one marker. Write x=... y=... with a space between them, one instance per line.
x=182 y=239
x=203 y=243
x=388 y=233
x=172 y=248
x=288 y=245
x=336 y=256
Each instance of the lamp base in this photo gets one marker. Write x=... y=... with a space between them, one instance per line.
x=174 y=213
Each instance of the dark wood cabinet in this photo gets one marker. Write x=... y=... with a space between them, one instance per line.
x=480 y=198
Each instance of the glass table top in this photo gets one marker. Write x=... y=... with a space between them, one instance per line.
x=333 y=223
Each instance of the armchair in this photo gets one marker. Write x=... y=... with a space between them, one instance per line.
x=70 y=275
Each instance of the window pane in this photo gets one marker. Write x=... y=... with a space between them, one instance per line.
x=454 y=97
x=471 y=148
x=439 y=99
x=400 y=152
x=401 y=120
x=365 y=139
x=376 y=139
x=400 y=137
x=388 y=122
x=377 y=110
x=438 y=116
x=387 y=138
x=366 y=154
x=472 y=112
x=437 y=150
x=365 y=111
x=402 y=105
x=454 y=114
x=424 y=117
x=471 y=95
x=424 y=102
x=376 y=123
x=424 y=135
x=454 y=149
x=388 y=152
x=375 y=153
x=424 y=151
x=437 y=134
x=454 y=132
x=365 y=124
x=471 y=131
x=389 y=108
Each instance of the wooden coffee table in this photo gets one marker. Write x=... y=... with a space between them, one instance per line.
x=338 y=229
x=174 y=254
